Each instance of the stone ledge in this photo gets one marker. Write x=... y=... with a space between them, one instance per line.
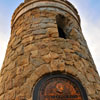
x=37 y=4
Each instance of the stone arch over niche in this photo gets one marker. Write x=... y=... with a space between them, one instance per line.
x=59 y=87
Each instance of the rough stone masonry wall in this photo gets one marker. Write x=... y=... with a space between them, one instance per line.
x=36 y=49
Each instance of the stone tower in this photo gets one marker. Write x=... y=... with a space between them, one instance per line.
x=47 y=56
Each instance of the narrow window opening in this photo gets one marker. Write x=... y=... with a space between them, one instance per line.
x=60 y=23
x=61 y=33
x=64 y=26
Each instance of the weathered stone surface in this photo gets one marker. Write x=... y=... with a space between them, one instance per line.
x=1 y=88
x=20 y=50
x=8 y=85
x=32 y=79
x=97 y=86
x=16 y=43
x=2 y=97
x=36 y=62
x=22 y=60
x=56 y=49
x=71 y=70
x=91 y=89
x=18 y=81
x=36 y=49
x=43 y=69
x=47 y=58
x=57 y=65
x=50 y=56
x=30 y=48
x=54 y=55
x=27 y=40
x=90 y=77
x=20 y=98
x=44 y=51
x=34 y=53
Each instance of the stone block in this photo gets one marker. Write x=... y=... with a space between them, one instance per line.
x=97 y=86
x=2 y=97
x=1 y=79
x=32 y=79
x=57 y=65
x=1 y=88
x=16 y=43
x=71 y=70
x=22 y=60
x=43 y=69
x=54 y=55
x=27 y=39
x=20 y=50
x=8 y=85
x=30 y=47
x=44 y=51
x=69 y=63
x=39 y=31
x=41 y=36
x=28 y=70
x=19 y=30
x=47 y=58
x=67 y=50
x=20 y=98
x=90 y=77
x=26 y=91
x=34 y=53
x=56 y=49
x=18 y=81
x=90 y=89
x=11 y=65
x=36 y=62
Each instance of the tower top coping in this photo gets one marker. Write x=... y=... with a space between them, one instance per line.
x=30 y=4
x=54 y=0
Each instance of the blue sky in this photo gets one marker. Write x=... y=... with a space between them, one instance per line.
x=90 y=22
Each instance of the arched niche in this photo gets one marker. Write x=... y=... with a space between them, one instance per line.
x=59 y=87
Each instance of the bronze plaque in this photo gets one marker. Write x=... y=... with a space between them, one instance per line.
x=58 y=88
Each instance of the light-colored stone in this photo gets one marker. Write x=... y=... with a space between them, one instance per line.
x=90 y=77
x=47 y=58
x=71 y=70
x=22 y=60
x=54 y=55
x=1 y=88
x=27 y=40
x=91 y=89
x=8 y=85
x=97 y=86
x=34 y=53
x=36 y=62
x=43 y=69
x=18 y=81
x=57 y=65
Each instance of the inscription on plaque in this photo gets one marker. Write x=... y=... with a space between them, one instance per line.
x=58 y=88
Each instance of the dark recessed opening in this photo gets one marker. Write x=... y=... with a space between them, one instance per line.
x=60 y=19
x=61 y=33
